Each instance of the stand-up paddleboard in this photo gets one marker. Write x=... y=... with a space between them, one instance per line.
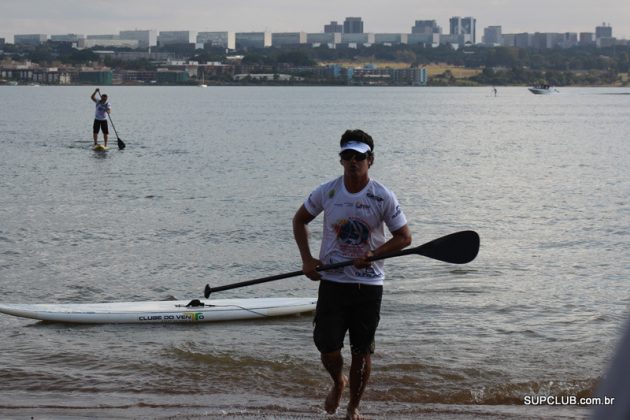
x=100 y=148
x=162 y=311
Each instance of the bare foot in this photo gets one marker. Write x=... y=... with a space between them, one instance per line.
x=353 y=414
x=334 y=396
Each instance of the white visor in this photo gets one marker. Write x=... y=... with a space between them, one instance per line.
x=356 y=145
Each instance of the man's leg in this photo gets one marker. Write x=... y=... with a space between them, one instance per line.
x=105 y=130
x=333 y=362
x=95 y=128
x=360 y=370
x=366 y=316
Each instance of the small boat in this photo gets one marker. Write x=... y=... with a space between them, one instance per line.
x=542 y=90
x=203 y=81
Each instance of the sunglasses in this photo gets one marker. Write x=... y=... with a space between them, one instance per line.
x=350 y=154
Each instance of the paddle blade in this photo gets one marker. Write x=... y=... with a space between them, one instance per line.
x=456 y=248
x=121 y=144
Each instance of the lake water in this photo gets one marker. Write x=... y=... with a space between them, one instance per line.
x=205 y=192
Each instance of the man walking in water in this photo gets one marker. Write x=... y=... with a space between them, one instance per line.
x=100 y=117
x=356 y=209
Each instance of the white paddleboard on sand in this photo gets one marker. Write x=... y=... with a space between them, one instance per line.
x=208 y=310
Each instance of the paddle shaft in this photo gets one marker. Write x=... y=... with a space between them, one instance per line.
x=299 y=273
x=457 y=248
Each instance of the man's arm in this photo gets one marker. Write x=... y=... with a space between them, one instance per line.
x=93 y=97
x=400 y=239
x=300 y=232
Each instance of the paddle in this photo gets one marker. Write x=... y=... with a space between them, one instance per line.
x=121 y=144
x=456 y=248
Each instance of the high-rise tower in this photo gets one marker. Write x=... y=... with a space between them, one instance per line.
x=353 y=25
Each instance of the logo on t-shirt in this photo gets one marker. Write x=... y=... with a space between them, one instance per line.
x=352 y=233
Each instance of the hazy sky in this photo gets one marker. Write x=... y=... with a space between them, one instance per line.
x=110 y=16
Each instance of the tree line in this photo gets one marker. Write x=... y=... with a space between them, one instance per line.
x=499 y=65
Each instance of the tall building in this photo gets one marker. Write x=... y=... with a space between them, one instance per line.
x=523 y=40
x=492 y=36
x=68 y=38
x=455 y=24
x=428 y=40
x=107 y=42
x=569 y=39
x=176 y=37
x=426 y=27
x=333 y=28
x=464 y=26
x=603 y=31
x=455 y=41
x=543 y=40
x=357 y=38
x=353 y=25
x=253 y=40
x=587 y=39
x=470 y=27
x=224 y=39
x=279 y=39
x=391 y=39
x=145 y=38
x=103 y=36
x=509 y=40
x=330 y=39
x=30 y=39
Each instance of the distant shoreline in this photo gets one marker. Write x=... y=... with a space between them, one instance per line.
x=305 y=84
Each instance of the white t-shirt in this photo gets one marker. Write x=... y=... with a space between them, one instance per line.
x=353 y=225
x=101 y=110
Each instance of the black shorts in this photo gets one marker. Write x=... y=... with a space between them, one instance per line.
x=100 y=124
x=347 y=307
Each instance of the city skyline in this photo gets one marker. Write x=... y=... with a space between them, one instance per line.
x=397 y=16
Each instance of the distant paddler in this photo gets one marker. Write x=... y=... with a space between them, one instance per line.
x=103 y=108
